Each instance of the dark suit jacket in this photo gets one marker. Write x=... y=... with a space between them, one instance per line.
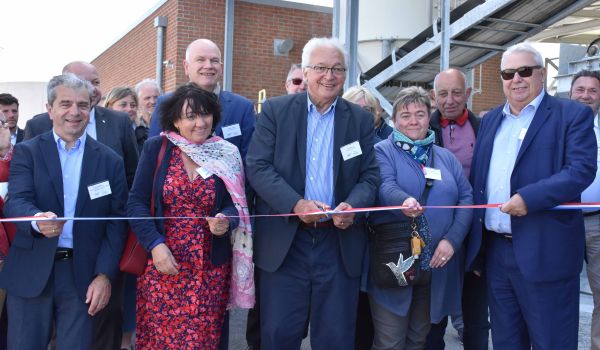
x=112 y=129
x=36 y=185
x=556 y=162
x=236 y=109
x=276 y=169
x=20 y=135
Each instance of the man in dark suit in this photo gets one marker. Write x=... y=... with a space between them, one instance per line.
x=112 y=129
x=456 y=129
x=533 y=153
x=310 y=152
x=204 y=68
x=60 y=272
x=585 y=88
x=9 y=105
x=106 y=126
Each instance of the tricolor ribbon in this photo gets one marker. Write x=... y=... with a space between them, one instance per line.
x=566 y=206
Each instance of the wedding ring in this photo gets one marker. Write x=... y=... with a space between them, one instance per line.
x=443 y=258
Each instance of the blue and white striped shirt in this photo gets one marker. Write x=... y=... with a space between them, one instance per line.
x=319 y=154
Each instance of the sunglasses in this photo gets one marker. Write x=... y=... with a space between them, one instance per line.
x=524 y=72
x=297 y=81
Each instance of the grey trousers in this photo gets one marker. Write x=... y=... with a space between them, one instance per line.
x=592 y=243
x=393 y=332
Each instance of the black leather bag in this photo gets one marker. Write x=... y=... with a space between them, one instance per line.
x=392 y=262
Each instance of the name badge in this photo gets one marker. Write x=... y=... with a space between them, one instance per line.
x=203 y=172
x=522 y=133
x=432 y=173
x=230 y=131
x=351 y=150
x=100 y=189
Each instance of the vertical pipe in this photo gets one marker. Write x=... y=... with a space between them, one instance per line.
x=335 y=18
x=445 y=46
x=160 y=23
x=352 y=42
x=228 y=49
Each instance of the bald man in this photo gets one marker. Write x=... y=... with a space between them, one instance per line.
x=203 y=67
x=456 y=129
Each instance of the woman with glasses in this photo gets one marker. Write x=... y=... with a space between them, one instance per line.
x=198 y=182
x=412 y=168
x=362 y=97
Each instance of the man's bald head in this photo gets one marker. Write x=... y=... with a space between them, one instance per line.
x=203 y=64
x=451 y=93
x=88 y=72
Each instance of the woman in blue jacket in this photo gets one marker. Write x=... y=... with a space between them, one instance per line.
x=408 y=160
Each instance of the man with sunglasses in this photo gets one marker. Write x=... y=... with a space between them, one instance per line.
x=585 y=88
x=295 y=80
x=532 y=153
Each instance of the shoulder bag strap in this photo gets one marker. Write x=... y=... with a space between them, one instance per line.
x=161 y=155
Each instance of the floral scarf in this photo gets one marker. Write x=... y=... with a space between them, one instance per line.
x=223 y=159
x=418 y=149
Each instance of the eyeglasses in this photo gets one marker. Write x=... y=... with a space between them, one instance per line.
x=297 y=81
x=334 y=70
x=524 y=72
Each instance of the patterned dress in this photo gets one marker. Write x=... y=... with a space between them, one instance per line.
x=184 y=311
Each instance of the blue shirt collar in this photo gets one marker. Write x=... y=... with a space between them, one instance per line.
x=534 y=104
x=312 y=108
x=60 y=143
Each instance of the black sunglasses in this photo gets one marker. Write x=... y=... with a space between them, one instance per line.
x=524 y=72
x=297 y=81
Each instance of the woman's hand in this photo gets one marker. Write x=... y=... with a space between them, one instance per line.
x=218 y=225
x=443 y=253
x=414 y=208
x=163 y=260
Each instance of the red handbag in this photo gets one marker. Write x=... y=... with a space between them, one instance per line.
x=135 y=256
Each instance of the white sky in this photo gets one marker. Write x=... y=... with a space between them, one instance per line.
x=37 y=38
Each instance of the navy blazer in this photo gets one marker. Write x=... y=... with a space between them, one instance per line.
x=149 y=232
x=276 y=169
x=236 y=109
x=36 y=185
x=556 y=162
x=112 y=129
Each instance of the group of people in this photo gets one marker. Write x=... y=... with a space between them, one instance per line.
x=189 y=167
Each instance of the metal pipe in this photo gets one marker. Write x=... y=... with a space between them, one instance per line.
x=160 y=23
x=228 y=45
x=352 y=42
x=335 y=19
x=445 y=44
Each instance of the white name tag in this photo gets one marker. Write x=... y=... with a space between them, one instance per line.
x=230 y=131
x=203 y=172
x=100 y=189
x=351 y=150
x=522 y=133
x=432 y=173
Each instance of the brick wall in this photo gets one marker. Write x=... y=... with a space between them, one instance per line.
x=255 y=66
x=133 y=57
x=491 y=94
